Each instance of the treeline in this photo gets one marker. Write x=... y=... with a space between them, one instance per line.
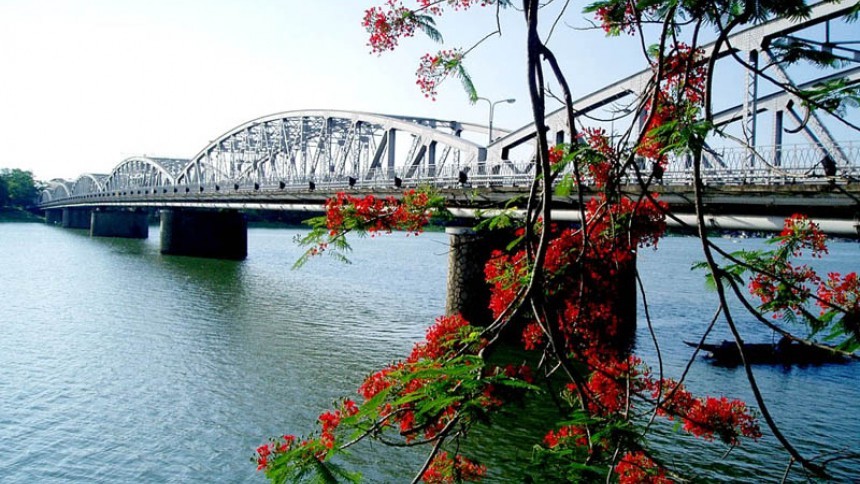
x=18 y=188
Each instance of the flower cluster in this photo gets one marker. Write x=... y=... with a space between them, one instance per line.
x=583 y=275
x=444 y=469
x=705 y=417
x=800 y=233
x=372 y=214
x=638 y=468
x=783 y=285
x=600 y=166
x=442 y=338
x=684 y=73
x=279 y=446
x=330 y=420
x=617 y=17
x=786 y=288
x=612 y=382
x=567 y=435
x=678 y=100
x=389 y=23
x=433 y=69
x=574 y=286
x=368 y=215
x=386 y=25
x=556 y=155
x=842 y=291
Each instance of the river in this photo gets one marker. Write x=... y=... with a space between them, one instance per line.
x=118 y=364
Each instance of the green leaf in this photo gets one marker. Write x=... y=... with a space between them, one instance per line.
x=514 y=243
x=468 y=85
x=793 y=50
x=427 y=24
x=565 y=186
x=834 y=96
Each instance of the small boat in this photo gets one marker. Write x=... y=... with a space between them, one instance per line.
x=785 y=352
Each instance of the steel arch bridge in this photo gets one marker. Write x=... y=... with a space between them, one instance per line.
x=296 y=150
x=330 y=147
x=298 y=157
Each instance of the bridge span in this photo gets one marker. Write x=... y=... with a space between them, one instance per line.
x=295 y=160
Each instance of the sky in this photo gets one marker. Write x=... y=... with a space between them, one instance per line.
x=87 y=83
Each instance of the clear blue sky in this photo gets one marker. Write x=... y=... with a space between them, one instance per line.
x=87 y=83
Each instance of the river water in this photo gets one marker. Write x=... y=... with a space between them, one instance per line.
x=118 y=364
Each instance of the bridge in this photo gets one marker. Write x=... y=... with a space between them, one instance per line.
x=294 y=160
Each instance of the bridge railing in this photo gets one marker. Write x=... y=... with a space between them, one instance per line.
x=770 y=165
x=767 y=165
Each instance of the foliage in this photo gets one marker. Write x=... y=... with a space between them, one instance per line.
x=790 y=291
x=17 y=188
x=560 y=290
x=367 y=215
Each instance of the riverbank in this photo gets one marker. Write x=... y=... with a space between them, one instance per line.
x=18 y=215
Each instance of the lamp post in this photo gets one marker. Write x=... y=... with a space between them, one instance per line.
x=492 y=107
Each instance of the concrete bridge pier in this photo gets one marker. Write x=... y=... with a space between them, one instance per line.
x=76 y=218
x=128 y=223
x=53 y=217
x=202 y=233
x=469 y=293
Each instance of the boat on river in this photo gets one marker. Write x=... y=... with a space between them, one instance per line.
x=784 y=352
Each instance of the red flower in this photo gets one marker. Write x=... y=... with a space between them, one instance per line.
x=444 y=469
x=638 y=468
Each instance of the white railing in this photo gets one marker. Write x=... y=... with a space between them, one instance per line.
x=770 y=165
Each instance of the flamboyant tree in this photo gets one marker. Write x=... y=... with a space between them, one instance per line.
x=554 y=289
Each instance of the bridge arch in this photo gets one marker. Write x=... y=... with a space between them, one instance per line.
x=298 y=147
x=87 y=184
x=142 y=171
x=56 y=189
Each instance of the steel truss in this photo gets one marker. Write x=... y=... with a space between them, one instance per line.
x=332 y=148
x=755 y=46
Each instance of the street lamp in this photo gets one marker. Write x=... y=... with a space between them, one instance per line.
x=492 y=107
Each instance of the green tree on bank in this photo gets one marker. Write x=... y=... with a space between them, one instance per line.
x=18 y=188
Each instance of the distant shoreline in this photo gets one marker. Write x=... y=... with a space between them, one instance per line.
x=18 y=215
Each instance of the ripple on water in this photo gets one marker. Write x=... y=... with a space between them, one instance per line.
x=118 y=364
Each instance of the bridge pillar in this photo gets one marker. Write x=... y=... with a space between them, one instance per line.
x=54 y=217
x=200 y=233
x=76 y=218
x=128 y=223
x=468 y=291
x=623 y=303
